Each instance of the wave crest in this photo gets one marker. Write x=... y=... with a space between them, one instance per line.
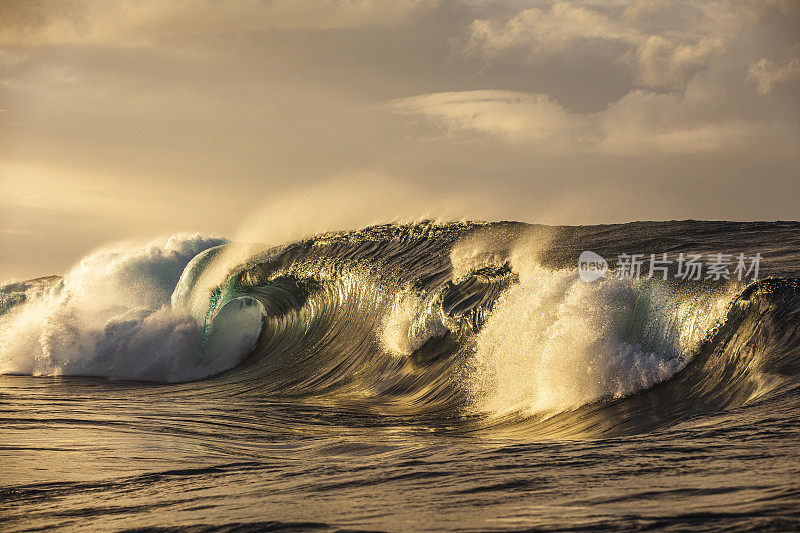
x=110 y=316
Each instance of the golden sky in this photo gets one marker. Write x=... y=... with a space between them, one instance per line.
x=134 y=119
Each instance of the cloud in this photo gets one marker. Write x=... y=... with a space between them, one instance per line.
x=678 y=73
x=14 y=231
x=767 y=73
x=641 y=123
x=663 y=45
x=518 y=116
x=666 y=63
x=545 y=30
x=151 y=21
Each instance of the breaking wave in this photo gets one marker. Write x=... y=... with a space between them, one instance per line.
x=109 y=316
x=463 y=327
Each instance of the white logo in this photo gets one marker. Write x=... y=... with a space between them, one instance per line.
x=591 y=266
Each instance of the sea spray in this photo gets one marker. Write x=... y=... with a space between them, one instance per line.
x=111 y=317
x=554 y=342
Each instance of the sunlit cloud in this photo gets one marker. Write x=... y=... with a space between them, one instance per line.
x=151 y=21
x=641 y=123
x=518 y=116
x=663 y=43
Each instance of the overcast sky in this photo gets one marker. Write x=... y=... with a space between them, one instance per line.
x=136 y=119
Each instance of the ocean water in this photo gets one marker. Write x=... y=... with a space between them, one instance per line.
x=430 y=376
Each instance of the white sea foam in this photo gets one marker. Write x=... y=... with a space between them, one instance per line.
x=411 y=321
x=111 y=317
x=553 y=342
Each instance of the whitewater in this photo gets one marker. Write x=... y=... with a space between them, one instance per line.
x=437 y=375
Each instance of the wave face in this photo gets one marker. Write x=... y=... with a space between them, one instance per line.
x=463 y=327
